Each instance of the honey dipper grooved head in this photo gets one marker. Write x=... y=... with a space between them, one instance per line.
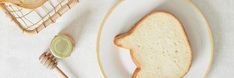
x=48 y=60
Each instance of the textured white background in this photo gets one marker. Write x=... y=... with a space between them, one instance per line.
x=19 y=52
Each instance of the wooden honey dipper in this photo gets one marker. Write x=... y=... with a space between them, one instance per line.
x=50 y=62
x=60 y=47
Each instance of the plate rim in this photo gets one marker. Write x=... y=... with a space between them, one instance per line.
x=113 y=7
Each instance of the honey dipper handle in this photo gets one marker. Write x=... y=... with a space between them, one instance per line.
x=61 y=72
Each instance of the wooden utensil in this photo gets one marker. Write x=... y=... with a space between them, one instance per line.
x=50 y=62
x=30 y=4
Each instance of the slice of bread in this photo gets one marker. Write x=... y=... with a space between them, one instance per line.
x=159 y=47
x=30 y=4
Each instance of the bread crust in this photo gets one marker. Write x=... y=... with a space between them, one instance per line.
x=133 y=55
x=32 y=5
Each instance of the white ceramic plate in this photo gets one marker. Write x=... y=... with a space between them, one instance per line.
x=116 y=62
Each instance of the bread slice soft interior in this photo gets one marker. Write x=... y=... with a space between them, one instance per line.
x=158 y=45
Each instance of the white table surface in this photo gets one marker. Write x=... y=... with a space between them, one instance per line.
x=19 y=52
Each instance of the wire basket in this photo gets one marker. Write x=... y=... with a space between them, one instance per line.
x=34 y=20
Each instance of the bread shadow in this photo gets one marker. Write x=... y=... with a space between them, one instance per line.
x=119 y=63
